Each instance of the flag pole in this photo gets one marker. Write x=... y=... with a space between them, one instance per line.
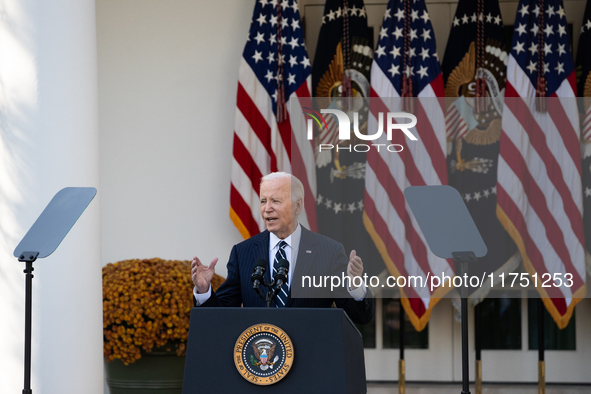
x=401 y=362
x=478 y=348
x=541 y=348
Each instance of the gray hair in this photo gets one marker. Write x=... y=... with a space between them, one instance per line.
x=297 y=189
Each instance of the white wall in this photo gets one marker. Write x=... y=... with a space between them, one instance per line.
x=48 y=141
x=168 y=74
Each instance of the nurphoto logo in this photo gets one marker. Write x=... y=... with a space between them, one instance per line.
x=392 y=120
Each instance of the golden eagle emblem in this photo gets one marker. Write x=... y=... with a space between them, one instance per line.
x=462 y=74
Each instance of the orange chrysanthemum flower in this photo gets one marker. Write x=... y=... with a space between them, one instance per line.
x=146 y=304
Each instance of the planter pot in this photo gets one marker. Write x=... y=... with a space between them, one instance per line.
x=158 y=372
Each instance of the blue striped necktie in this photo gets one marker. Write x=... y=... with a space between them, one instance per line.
x=283 y=295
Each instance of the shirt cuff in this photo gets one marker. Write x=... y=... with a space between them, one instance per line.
x=201 y=298
x=359 y=293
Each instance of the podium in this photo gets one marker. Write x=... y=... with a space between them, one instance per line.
x=323 y=348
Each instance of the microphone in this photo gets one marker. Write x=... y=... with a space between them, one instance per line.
x=281 y=275
x=258 y=276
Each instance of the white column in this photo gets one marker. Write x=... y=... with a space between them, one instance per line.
x=48 y=141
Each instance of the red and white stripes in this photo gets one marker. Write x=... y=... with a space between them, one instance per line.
x=587 y=125
x=539 y=194
x=387 y=216
x=260 y=146
x=455 y=124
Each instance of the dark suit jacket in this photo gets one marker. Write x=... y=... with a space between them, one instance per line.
x=326 y=257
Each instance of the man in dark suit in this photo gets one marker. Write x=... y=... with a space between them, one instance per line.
x=282 y=200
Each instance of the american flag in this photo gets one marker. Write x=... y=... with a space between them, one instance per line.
x=539 y=172
x=406 y=47
x=274 y=73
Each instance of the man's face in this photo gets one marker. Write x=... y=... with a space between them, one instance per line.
x=277 y=209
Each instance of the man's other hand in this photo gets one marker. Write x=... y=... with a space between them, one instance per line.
x=354 y=268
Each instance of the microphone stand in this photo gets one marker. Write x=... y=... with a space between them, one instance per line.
x=258 y=290
x=271 y=293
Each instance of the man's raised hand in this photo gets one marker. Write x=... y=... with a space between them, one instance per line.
x=355 y=267
x=202 y=275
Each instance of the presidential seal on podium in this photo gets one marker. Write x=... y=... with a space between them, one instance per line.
x=263 y=354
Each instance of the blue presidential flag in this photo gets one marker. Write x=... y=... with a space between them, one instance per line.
x=341 y=71
x=475 y=71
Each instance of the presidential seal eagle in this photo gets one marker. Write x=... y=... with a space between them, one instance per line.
x=264 y=349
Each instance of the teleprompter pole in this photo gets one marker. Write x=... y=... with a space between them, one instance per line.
x=462 y=259
x=401 y=362
x=28 y=258
x=465 y=367
x=541 y=349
